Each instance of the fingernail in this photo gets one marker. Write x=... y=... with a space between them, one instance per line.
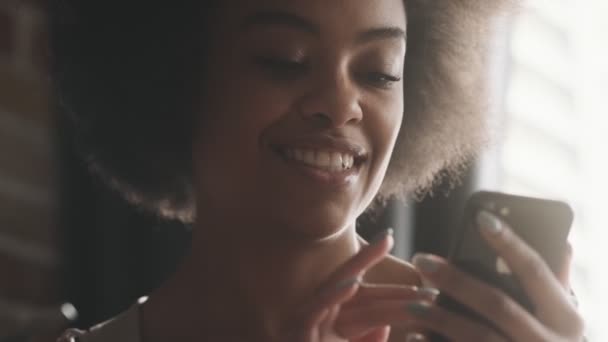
x=489 y=222
x=425 y=263
x=429 y=292
x=347 y=283
x=414 y=337
x=381 y=236
x=418 y=309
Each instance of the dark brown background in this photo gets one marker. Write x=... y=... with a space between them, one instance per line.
x=29 y=251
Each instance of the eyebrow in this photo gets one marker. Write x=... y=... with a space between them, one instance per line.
x=381 y=33
x=277 y=18
x=285 y=19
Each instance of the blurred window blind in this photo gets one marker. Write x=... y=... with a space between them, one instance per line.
x=556 y=131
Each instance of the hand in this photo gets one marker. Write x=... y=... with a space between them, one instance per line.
x=556 y=319
x=344 y=309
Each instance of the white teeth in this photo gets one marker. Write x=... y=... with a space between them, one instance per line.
x=348 y=161
x=330 y=161
x=336 y=162
x=323 y=159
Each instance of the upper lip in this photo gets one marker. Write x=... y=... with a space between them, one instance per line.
x=327 y=143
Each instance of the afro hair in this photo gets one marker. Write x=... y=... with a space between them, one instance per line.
x=123 y=75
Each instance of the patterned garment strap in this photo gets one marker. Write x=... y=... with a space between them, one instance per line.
x=71 y=335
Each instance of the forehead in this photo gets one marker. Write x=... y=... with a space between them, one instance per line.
x=346 y=14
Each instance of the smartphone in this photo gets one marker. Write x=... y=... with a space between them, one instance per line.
x=543 y=224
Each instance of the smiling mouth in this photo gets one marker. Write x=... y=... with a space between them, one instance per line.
x=322 y=159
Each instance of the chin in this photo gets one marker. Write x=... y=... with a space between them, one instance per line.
x=317 y=223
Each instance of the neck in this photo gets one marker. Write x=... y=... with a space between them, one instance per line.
x=251 y=281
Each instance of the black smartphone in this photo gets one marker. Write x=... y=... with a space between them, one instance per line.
x=544 y=224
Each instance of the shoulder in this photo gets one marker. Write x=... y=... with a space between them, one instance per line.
x=122 y=328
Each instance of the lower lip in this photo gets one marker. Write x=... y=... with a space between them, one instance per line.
x=335 y=178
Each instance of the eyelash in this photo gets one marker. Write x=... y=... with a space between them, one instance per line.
x=282 y=69
x=380 y=80
x=285 y=69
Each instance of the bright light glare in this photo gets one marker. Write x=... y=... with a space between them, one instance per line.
x=557 y=132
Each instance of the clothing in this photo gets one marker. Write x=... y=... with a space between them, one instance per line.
x=126 y=328
x=122 y=328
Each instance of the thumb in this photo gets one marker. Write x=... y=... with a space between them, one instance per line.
x=564 y=272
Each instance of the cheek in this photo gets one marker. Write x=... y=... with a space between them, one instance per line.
x=234 y=118
x=245 y=105
x=384 y=122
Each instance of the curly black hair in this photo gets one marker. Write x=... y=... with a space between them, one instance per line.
x=127 y=74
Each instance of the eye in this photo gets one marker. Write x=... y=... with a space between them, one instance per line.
x=380 y=79
x=281 y=68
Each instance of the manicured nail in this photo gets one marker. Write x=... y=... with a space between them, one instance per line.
x=428 y=292
x=418 y=309
x=425 y=263
x=415 y=337
x=347 y=283
x=489 y=222
x=381 y=236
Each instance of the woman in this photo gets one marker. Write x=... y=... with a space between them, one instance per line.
x=272 y=125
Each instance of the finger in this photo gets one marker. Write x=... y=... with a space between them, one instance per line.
x=450 y=325
x=377 y=335
x=421 y=315
x=327 y=324
x=355 y=322
x=365 y=259
x=415 y=337
x=494 y=305
x=385 y=292
x=374 y=292
x=550 y=300
x=382 y=291
x=564 y=272
x=369 y=292
x=318 y=325
x=344 y=282
x=323 y=306
x=531 y=270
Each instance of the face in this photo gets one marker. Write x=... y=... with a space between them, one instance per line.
x=302 y=105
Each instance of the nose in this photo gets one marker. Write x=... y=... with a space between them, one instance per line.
x=333 y=101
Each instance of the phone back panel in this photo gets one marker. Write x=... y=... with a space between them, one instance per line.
x=543 y=224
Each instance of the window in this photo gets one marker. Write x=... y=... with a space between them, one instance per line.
x=556 y=138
